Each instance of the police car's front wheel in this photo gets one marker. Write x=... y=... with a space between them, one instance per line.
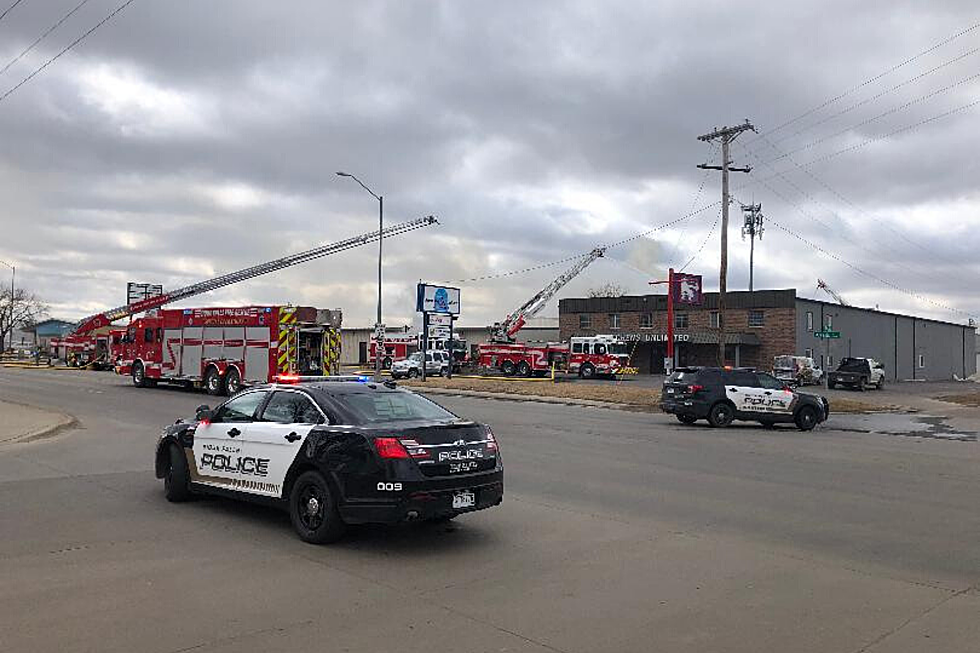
x=176 y=484
x=721 y=414
x=806 y=418
x=313 y=511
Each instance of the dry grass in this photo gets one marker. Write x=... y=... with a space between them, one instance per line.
x=643 y=399
x=613 y=392
x=970 y=399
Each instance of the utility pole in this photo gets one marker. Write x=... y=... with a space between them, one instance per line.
x=726 y=135
x=752 y=227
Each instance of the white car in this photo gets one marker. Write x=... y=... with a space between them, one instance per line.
x=436 y=363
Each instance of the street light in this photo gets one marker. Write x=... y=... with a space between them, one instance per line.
x=377 y=326
x=13 y=273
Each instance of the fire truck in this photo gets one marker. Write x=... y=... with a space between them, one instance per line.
x=226 y=349
x=586 y=356
x=91 y=351
x=85 y=341
x=399 y=347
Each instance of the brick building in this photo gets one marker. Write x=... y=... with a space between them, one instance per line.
x=767 y=323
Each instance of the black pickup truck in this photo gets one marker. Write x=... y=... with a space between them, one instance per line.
x=857 y=373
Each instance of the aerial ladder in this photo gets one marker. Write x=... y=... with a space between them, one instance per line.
x=822 y=285
x=504 y=332
x=94 y=322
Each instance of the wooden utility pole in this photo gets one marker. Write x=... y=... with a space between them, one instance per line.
x=726 y=135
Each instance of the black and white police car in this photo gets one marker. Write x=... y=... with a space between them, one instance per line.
x=335 y=452
x=722 y=395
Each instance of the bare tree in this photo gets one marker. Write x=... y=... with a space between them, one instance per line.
x=28 y=310
x=608 y=289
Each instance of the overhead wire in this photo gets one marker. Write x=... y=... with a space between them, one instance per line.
x=8 y=9
x=43 y=36
x=68 y=47
x=703 y=242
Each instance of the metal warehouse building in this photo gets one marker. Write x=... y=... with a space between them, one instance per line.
x=767 y=323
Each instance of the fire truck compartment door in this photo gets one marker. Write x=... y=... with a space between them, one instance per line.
x=214 y=343
x=257 y=354
x=235 y=343
x=171 y=352
x=190 y=358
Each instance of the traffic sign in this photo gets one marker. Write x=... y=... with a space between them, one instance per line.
x=827 y=335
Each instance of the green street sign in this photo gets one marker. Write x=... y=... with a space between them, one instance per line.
x=827 y=335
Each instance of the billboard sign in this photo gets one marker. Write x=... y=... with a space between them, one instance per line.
x=437 y=299
x=687 y=289
x=140 y=292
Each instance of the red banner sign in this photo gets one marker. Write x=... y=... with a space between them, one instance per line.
x=687 y=289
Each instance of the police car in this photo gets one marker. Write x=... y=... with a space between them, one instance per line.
x=333 y=453
x=721 y=395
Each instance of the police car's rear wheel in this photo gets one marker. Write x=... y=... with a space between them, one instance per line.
x=176 y=483
x=686 y=418
x=806 y=418
x=313 y=511
x=721 y=415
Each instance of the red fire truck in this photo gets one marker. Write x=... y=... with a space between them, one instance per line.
x=396 y=348
x=225 y=349
x=90 y=350
x=602 y=355
x=522 y=359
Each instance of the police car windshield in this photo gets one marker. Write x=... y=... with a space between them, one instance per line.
x=383 y=407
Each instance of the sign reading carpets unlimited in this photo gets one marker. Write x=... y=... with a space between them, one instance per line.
x=437 y=299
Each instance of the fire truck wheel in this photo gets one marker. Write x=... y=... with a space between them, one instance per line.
x=139 y=375
x=523 y=369
x=213 y=382
x=176 y=485
x=386 y=363
x=586 y=371
x=233 y=382
x=508 y=368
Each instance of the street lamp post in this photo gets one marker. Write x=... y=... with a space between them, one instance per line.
x=13 y=273
x=379 y=342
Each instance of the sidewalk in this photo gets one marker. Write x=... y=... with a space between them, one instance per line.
x=21 y=423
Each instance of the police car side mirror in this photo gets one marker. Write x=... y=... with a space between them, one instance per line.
x=204 y=413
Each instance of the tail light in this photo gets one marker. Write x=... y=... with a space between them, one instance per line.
x=415 y=450
x=491 y=441
x=696 y=387
x=390 y=448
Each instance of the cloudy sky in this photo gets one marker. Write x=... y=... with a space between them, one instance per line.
x=184 y=139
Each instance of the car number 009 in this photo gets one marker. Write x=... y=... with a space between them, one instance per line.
x=389 y=487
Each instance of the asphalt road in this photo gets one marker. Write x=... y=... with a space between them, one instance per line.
x=619 y=532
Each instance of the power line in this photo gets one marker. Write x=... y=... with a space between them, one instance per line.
x=44 y=35
x=694 y=203
x=870 y=80
x=703 y=242
x=68 y=47
x=7 y=10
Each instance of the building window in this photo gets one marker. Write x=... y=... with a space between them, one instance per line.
x=680 y=320
x=585 y=321
x=614 y=320
x=830 y=360
x=646 y=321
x=757 y=318
x=713 y=320
x=828 y=321
x=809 y=320
x=922 y=361
x=808 y=353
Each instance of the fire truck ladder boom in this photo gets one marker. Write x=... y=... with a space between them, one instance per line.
x=102 y=319
x=822 y=285
x=505 y=331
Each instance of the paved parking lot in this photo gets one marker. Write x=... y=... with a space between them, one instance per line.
x=619 y=532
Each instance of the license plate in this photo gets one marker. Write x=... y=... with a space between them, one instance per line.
x=464 y=499
x=670 y=391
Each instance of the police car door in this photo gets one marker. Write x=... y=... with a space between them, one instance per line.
x=742 y=387
x=277 y=437
x=218 y=456
x=777 y=398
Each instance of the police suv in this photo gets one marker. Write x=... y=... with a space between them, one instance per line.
x=334 y=453
x=722 y=395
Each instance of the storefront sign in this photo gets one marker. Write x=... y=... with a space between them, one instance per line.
x=653 y=337
x=687 y=289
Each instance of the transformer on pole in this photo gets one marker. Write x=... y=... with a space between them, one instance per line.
x=752 y=227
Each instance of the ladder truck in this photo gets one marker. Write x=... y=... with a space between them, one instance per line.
x=586 y=356
x=224 y=349
x=822 y=285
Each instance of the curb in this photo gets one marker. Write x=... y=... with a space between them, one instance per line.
x=64 y=423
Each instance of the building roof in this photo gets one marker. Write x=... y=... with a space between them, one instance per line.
x=641 y=303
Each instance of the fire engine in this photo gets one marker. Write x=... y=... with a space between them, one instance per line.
x=92 y=351
x=85 y=344
x=396 y=348
x=586 y=356
x=226 y=349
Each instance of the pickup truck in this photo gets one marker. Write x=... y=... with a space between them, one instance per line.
x=857 y=373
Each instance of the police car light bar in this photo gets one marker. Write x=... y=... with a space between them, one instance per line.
x=297 y=378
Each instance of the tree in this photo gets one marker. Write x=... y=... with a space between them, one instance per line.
x=28 y=310
x=608 y=289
